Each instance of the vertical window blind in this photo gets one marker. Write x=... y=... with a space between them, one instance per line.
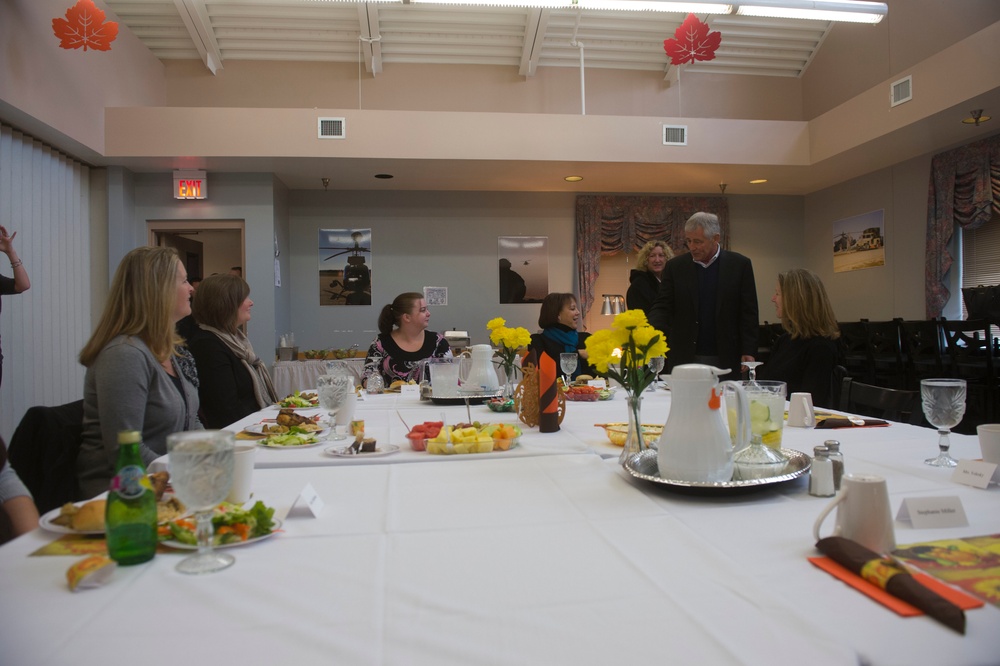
x=45 y=198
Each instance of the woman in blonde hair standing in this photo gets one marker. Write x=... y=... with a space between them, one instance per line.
x=403 y=340
x=132 y=380
x=644 y=280
x=805 y=355
x=233 y=381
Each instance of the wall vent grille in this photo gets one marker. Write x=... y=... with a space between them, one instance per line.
x=675 y=135
x=901 y=91
x=332 y=128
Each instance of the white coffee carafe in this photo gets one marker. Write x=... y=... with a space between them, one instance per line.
x=695 y=444
x=482 y=374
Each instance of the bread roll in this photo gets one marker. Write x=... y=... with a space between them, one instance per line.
x=90 y=517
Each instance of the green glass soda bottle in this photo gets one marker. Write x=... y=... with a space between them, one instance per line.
x=131 y=510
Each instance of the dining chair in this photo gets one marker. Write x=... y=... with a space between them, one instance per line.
x=970 y=357
x=924 y=352
x=885 y=353
x=880 y=402
x=43 y=452
x=854 y=340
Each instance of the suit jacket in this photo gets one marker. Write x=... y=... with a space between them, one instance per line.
x=675 y=311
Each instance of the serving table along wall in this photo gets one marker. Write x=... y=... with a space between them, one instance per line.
x=510 y=558
x=291 y=376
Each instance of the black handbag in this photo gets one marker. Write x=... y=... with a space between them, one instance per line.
x=982 y=302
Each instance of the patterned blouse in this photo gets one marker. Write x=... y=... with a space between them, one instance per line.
x=385 y=357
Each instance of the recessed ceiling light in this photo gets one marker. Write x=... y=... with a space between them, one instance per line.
x=384 y=176
x=758 y=181
x=573 y=179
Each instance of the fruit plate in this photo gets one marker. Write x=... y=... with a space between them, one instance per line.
x=644 y=466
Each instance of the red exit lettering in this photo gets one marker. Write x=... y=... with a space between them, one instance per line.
x=189 y=188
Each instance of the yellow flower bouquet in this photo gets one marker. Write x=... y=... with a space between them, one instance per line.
x=638 y=343
x=507 y=341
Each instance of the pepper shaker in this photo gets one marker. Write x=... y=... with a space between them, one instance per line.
x=821 y=475
x=837 y=458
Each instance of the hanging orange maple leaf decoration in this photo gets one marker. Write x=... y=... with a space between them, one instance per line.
x=84 y=26
x=692 y=41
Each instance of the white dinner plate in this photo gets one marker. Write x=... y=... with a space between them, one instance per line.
x=184 y=546
x=345 y=452
x=296 y=409
x=306 y=445
x=258 y=429
x=45 y=522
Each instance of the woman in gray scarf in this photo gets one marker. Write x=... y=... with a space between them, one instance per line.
x=233 y=381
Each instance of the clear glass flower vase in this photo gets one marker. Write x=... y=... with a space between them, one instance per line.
x=634 y=441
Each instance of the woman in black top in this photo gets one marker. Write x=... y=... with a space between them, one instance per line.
x=558 y=320
x=644 y=281
x=403 y=340
x=233 y=381
x=805 y=355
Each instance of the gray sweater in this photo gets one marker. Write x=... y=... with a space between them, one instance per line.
x=127 y=389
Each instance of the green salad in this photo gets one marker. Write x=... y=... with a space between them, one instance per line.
x=231 y=522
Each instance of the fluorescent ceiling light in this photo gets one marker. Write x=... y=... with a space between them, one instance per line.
x=817 y=10
x=690 y=6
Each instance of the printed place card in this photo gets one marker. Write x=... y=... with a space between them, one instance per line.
x=975 y=473
x=933 y=512
x=410 y=391
x=597 y=383
x=310 y=499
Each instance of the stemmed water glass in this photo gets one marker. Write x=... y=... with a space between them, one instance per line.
x=335 y=391
x=568 y=364
x=656 y=367
x=201 y=473
x=752 y=367
x=944 y=406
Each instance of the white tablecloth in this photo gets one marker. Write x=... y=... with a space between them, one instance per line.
x=549 y=559
x=291 y=376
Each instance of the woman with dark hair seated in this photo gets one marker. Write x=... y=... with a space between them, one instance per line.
x=233 y=381
x=403 y=340
x=558 y=320
x=805 y=355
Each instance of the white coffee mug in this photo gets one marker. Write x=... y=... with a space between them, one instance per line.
x=800 y=411
x=863 y=513
x=240 y=491
x=989 y=441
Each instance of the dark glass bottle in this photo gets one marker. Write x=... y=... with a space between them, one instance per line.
x=131 y=510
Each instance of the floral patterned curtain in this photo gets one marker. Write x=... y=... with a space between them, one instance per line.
x=609 y=224
x=964 y=190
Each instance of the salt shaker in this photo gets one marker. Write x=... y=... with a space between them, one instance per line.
x=821 y=475
x=837 y=458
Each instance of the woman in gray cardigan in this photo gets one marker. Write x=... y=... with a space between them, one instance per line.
x=133 y=381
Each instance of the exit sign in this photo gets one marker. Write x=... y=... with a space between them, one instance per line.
x=190 y=185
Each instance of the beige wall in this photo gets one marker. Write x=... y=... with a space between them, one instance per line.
x=44 y=87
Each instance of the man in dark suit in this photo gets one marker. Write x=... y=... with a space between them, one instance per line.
x=707 y=303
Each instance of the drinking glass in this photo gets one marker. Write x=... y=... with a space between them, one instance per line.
x=944 y=406
x=656 y=366
x=201 y=473
x=334 y=392
x=568 y=364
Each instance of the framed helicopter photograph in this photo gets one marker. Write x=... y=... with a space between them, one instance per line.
x=345 y=270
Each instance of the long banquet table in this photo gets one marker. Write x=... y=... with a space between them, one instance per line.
x=548 y=554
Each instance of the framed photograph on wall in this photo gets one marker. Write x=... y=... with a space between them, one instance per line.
x=345 y=266
x=859 y=242
x=524 y=268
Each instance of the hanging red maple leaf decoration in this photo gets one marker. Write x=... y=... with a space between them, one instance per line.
x=84 y=26
x=692 y=41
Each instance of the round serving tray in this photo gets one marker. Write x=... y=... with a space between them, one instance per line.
x=643 y=465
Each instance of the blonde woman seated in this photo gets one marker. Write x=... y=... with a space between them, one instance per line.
x=233 y=380
x=805 y=355
x=644 y=280
x=133 y=380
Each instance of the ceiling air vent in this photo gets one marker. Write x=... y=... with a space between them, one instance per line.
x=332 y=128
x=901 y=91
x=675 y=135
